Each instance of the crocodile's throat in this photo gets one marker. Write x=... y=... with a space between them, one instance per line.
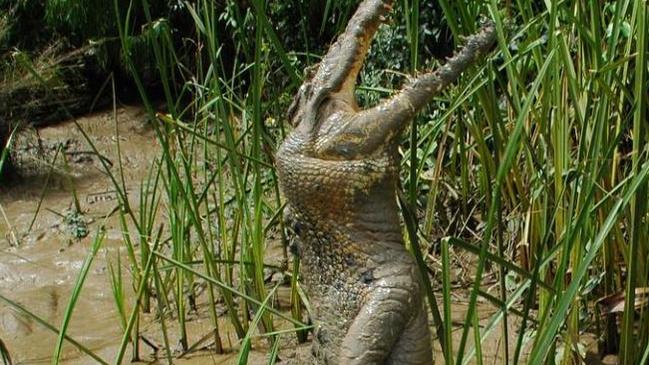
x=352 y=198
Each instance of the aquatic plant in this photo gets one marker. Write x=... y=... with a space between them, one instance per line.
x=533 y=167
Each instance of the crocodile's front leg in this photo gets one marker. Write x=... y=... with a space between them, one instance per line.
x=392 y=325
x=339 y=172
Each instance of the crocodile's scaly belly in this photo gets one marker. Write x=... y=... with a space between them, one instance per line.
x=345 y=216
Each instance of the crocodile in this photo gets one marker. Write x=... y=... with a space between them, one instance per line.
x=338 y=170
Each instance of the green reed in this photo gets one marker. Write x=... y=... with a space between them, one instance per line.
x=575 y=85
x=538 y=152
x=529 y=143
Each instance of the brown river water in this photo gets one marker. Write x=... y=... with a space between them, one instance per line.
x=39 y=267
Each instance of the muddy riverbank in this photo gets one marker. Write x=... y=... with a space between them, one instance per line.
x=39 y=265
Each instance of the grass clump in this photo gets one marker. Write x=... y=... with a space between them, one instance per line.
x=534 y=166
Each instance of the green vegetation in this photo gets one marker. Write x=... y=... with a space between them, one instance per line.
x=6 y=358
x=535 y=164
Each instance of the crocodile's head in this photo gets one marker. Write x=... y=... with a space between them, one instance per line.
x=354 y=150
x=325 y=102
x=325 y=112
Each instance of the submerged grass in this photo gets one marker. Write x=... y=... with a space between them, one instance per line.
x=4 y=354
x=76 y=292
x=535 y=163
x=37 y=319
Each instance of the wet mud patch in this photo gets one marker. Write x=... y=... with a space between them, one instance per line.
x=45 y=240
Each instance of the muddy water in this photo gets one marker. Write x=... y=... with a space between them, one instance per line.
x=38 y=267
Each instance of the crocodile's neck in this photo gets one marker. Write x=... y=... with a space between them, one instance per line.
x=355 y=202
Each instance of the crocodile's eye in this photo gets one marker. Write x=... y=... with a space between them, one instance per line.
x=295 y=110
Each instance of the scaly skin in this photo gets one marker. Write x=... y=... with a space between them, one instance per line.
x=338 y=170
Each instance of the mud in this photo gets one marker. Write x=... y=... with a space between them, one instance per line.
x=38 y=267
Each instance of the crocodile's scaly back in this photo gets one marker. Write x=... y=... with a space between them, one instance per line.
x=338 y=170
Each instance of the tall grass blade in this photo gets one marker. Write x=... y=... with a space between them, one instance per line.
x=540 y=351
x=4 y=156
x=76 y=292
x=631 y=343
x=26 y=312
x=4 y=354
x=503 y=170
x=245 y=343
